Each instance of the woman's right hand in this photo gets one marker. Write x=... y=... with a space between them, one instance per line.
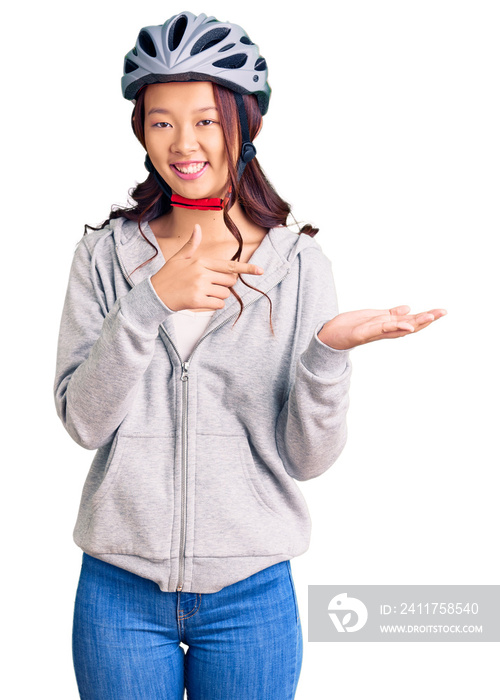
x=188 y=282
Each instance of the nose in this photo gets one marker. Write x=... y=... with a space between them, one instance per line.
x=185 y=140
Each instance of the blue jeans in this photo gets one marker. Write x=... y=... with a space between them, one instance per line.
x=245 y=641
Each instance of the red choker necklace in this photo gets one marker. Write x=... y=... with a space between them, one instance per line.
x=214 y=204
x=203 y=204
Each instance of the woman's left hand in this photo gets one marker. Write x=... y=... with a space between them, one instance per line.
x=352 y=328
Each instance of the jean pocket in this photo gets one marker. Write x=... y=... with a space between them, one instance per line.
x=294 y=592
x=232 y=514
x=131 y=512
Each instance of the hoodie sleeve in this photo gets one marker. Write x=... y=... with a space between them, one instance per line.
x=311 y=429
x=101 y=356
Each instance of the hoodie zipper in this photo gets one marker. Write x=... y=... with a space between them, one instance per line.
x=184 y=379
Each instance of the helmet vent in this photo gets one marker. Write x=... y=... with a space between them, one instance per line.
x=211 y=38
x=236 y=61
x=246 y=40
x=130 y=66
x=226 y=47
x=146 y=44
x=260 y=64
x=177 y=32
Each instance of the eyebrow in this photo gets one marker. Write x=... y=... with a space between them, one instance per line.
x=159 y=110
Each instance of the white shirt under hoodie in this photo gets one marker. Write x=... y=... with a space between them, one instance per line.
x=189 y=327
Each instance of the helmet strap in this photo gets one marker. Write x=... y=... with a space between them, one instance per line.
x=248 y=150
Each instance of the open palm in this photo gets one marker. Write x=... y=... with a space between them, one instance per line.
x=352 y=328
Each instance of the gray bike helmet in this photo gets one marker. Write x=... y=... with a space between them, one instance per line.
x=187 y=47
x=199 y=48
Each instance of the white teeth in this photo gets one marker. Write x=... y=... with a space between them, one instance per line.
x=195 y=168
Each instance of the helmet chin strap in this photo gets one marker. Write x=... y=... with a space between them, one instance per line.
x=248 y=151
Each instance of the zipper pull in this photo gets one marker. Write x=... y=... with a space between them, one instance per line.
x=184 y=375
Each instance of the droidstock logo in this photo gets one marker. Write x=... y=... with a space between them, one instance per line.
x=341 y=604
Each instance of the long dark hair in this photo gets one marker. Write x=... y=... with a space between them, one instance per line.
x=255 y=194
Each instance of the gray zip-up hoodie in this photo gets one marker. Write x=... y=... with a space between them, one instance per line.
x=193 y=482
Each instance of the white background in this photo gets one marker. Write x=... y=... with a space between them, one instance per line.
x=383 y=131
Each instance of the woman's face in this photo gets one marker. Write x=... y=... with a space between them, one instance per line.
x=184 y=138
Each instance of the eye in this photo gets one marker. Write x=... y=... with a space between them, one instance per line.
x=207 y=122
x=161 y=125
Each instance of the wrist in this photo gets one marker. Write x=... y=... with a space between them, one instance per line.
x=158 y=293
x=328 y=337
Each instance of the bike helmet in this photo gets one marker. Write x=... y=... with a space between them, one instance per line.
x=199 y=48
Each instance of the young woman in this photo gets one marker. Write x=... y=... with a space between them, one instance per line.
x=201 y=353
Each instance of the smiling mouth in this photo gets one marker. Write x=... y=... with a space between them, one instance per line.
x=190 y=169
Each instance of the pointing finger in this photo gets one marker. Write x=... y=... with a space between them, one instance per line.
x=234 y=266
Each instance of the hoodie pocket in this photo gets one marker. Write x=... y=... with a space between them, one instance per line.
x=131 y=512
x=233 y=511
x=256 y=479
